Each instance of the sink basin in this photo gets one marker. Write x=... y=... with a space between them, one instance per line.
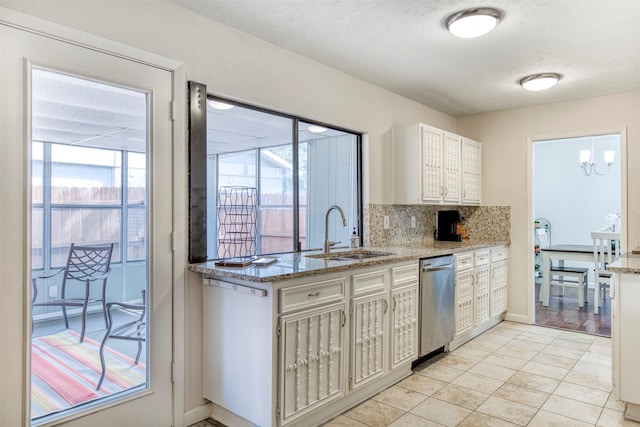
x=351 y=255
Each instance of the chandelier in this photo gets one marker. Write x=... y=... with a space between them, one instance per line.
x=588 y=165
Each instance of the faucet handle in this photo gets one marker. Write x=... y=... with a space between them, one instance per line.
x=333 y=243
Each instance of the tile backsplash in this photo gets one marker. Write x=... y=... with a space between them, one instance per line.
x=482 y=222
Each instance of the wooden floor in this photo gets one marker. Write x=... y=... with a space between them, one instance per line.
x=563 y=312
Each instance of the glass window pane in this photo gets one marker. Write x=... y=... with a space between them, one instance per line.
x=137 y=178
x=83 y=226
x=37 y=238
x=37 y=172
x=82 y=175
x=276 y=199
x=252 y=148
x=327 y=168
x=237 y=169
x=136 y=239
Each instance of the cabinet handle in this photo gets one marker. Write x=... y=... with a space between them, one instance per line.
x=386 y=305
x=442 y=190
x=314 y=294
x=344 y=318
x=394 y=303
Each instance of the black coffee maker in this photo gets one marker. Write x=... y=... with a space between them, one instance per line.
x=447 y=225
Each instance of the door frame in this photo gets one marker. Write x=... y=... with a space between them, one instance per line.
x=78 y=38
x=624 y=202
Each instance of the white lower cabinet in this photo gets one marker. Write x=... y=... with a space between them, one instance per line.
x=498 y=280
x=312 y=359
x=404 y=325
x=481 y=286
x=368 y=336
x=625 y=340
x=480 y=292
x=300 y=352
x=384 y=319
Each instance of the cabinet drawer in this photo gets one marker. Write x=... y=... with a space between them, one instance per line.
x=369 y=282
x=464 y=262
x=401 y=276
x=499 y=254
x=481 y=258
x=312 y=294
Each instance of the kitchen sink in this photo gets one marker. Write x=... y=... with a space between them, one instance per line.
x=351 y=255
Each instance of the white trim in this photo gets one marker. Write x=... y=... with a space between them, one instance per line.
x=624 y=199
x=72 y=36
x=519 y=318
x=198 y=414
x=180 y=243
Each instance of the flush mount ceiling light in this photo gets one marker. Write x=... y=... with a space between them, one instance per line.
x=475 y=22
x=541 y=81
x=218 y=105
x=316 y=129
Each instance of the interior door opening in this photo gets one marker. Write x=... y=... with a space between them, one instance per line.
x=576 y=190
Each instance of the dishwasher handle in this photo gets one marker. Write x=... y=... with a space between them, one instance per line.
x=426 y=268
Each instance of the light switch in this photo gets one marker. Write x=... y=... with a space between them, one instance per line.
x=53 y=291
x=386 y=222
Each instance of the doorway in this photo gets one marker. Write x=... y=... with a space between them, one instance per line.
x=576 y=190
x=88 y=141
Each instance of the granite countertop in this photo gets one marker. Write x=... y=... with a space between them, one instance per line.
x=295 y=265
x=627 y=263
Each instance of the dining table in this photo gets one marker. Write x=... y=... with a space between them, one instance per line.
x=561 y=253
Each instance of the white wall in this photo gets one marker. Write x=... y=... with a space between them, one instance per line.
x=507 y=169
x=575 y=204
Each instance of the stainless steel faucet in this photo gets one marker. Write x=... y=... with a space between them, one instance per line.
x=327 y=243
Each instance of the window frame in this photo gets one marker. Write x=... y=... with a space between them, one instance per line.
x=198 y=251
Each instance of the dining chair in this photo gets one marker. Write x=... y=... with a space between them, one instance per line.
x=572 y=277
x=130 y=330
x=86 y=265
x=606 y=249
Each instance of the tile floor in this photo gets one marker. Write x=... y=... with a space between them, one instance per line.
x=512 y=375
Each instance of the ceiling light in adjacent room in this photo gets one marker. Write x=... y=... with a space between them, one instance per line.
x=316 y=129
x=218 y=105
x=542 y=81
x=471 y=23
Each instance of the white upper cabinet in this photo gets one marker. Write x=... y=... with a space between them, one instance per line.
x=471 y=172
x=432 y=166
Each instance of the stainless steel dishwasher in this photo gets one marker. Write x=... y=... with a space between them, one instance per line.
x=437 y=294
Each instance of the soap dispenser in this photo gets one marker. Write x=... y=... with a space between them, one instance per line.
x=355 y=240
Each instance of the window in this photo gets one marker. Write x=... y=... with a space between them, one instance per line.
x=297 y=170
x=77 y=198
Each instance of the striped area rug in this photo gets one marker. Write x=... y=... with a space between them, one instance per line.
x=65 y=373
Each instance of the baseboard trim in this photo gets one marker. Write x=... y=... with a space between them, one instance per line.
x=519 y=318
x=195 y=415
x=228 y=418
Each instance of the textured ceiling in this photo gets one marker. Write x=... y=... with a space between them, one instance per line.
x=402 y=45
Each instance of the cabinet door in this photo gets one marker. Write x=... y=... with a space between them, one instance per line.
x=368 y=334
x=498 y=287
x=432 y=185
x=311 y=359
x=464 y=300
x=404 y=323
x=471 y=169
x=451 y=166
x=481 y=289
